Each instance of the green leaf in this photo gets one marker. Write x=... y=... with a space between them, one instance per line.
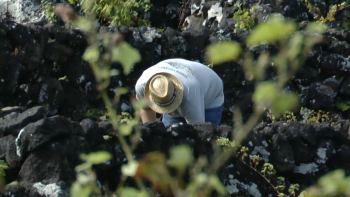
x=302 y=194
x=130 y=168
x=3 y=164
x=285 y=102
x=295 y=45
x=62 y=78
x=92 y=53
x=126 y=55
x=122 y=90
x=106 y=137
x=88 y=5
x=274 y=29
x=343 y=106
x=181 y=156
x=84 y=24
x=223 y=51
x=132 y=192
x=13 y=183
x=96 y=157
x=215 y=182
x=334 y=183
x=125 y=129
x=72 y=1
x=107 y=10
x=316 y=27
x=265 y=93
x=79 y=191
x=82 y=167
x=193 y=186
x=3 y=167
x=201 y=178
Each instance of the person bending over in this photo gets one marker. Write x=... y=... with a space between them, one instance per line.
x=181 y=90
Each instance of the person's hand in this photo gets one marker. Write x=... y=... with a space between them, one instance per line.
x=147 y=115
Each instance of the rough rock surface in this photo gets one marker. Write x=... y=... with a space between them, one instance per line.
x=31 y=75
x=48 y=149
x=22 y=11
x=46 y=90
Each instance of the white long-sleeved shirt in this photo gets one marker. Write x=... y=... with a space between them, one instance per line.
x=203 y=88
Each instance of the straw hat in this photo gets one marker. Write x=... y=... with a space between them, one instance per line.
x=165 y=92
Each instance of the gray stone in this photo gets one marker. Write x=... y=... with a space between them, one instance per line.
x=22 y=11
x=14 y=125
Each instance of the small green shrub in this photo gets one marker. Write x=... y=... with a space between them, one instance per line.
x=117 y=12
x=125 y=117
x=244 y=18
x=225 y=143
x=154 y=166
x=308 y=116
x=95 y=113
x=288 y=116
x=314 y=117
x=86 y=178
x=100 y=114
x=64 y=78
x=47 y=7
x=343 y=105
x=267 y=171
x=3 y=167
x=331 y=13
x=335 y=183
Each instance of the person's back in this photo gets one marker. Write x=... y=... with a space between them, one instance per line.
x=210 y=83
x=202 y=88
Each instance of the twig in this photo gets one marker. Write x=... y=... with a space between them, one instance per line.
x=114 y=119
x=224 y=157
x=182 y=11
x=260 y=175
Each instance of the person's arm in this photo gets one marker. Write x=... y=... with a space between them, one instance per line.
x=147 y=115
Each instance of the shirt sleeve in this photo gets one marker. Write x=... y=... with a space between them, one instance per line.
x=140 y=89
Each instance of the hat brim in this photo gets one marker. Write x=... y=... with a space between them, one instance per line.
x=177 y=101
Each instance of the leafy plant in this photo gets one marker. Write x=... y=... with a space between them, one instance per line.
x=155 y=167
x=226 y=144
x=64 y=78
x=267 y=170
x=281 y=185
x=221 y=52
x=331 y=13
x=292 y=189
x=48 y=9
x=117 y=12
x=343 y=105
x=255 y=160
x=86 y=177
x=95 y=113
x=332 y=184
x=116 y=50
x=243 y=18
x=288 y=116
x=294 y=49
x=3 y=167
x=313 y=117
x=308 y=116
